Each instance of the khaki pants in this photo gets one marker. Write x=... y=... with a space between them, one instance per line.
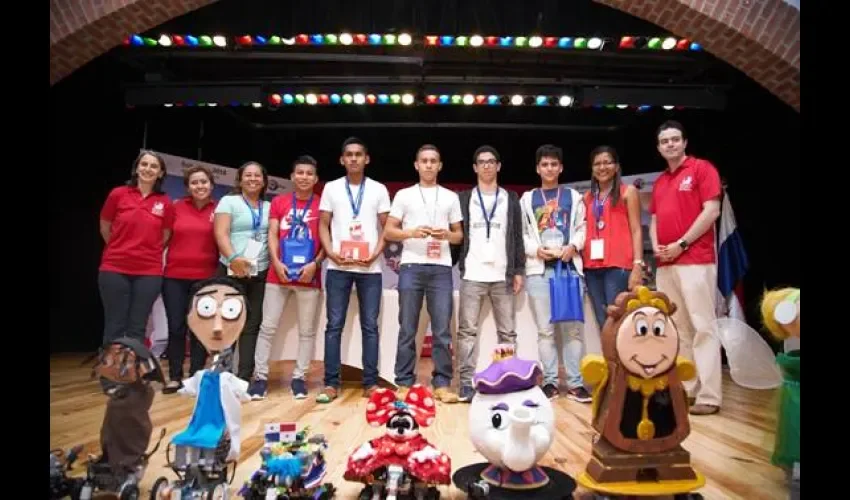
x=692 y=288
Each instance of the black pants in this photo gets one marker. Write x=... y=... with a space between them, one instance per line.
x=175 y=296
x=127 y=303
x=255 y=291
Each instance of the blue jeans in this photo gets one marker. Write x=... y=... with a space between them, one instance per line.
x=434 y=284
x=603 y=286
x=337 y=295
x=537 y=287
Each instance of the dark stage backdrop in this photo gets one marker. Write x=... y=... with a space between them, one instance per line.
x=754 y=144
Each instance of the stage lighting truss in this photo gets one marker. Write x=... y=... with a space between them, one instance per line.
x=292 y=99
x=624 y=43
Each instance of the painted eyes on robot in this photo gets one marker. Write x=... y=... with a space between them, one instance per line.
x=642 y=328
x=230 y=308
x=785 y=312
x=499 y=420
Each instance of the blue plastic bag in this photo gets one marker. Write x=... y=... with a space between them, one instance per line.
x=296 y=250
x=566 y=296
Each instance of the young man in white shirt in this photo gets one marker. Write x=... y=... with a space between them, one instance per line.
x=427 y=218
x=353 y=211
x=559 y=207
x=491 y=262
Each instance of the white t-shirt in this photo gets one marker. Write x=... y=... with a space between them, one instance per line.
x=432 y=206
x=335 y=199
x=486 y=262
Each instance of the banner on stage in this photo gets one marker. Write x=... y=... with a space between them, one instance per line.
x=224 y=178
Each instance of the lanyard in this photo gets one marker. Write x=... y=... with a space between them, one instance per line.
x=598 y=208
x=425 y=205
x=488 y=218
x=256 y=219
x=297 y=221
x=355 y=206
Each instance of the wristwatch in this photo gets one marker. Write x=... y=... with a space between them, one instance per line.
x=683 y=243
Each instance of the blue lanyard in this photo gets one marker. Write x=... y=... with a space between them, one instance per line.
x=298 y=221
x=256 y=219
x=355 y=206
x=599 y=207
x=488 y=218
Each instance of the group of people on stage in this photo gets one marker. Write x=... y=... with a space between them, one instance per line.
x=276 y=251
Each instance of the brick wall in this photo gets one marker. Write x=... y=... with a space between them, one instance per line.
x=759 y=37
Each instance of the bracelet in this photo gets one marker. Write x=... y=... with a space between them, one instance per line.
x=228 y=260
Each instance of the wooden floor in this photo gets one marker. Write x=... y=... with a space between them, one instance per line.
x=732 y=448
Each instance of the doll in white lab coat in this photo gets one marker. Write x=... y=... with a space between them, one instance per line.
x=217 y=316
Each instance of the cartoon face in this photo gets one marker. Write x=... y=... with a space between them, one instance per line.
x=217 y=316
x=512 y=430
x=647 y=342
x=402 y=425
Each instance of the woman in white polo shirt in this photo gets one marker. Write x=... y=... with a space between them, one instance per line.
x=241 y=233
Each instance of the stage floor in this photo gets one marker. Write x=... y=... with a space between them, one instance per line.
x=732 y=449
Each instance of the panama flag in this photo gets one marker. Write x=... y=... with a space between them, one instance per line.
x=280 y=432
x=732 y=264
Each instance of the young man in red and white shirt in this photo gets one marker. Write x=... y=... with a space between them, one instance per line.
x=295 y=258
x=685 y=205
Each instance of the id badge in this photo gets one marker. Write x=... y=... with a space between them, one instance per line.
x=488 y=253
x=597 y=249
x=252 y=250
x=355 y=229
x=434 y=249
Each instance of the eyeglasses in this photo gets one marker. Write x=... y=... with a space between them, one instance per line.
x=491 y=162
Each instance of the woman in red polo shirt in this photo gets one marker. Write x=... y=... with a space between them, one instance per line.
x=614 y=245
x=135 y=223
x=192 y=256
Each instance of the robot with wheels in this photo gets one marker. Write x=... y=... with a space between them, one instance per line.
x=640 y=407
x=293 y=467
x=204 y=451
x=511 y=423
x=62 y=486
x=401 y=464
x=126 y=368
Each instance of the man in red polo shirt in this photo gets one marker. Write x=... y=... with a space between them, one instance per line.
x=685 y=205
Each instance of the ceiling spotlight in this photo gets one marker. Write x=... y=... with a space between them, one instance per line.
x=220 y=41
x=405 y=39
x=407 y=99
x=517 y=100
x=346 y=39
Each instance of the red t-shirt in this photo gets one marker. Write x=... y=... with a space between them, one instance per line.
x=192 y=252
x=135 y=240
x=677 y=200
x=281 y=210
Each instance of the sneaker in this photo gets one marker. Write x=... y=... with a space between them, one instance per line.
x=551 y=391
x=466 y=394
x=258 y=388
x=444 y=395
x=327 y=395
x=299 y=388
x=579 y=394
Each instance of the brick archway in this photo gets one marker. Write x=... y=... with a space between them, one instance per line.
x=759 y=37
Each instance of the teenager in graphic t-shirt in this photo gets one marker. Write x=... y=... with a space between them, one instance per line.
x=295 y=256
x=241 y=232
x=353 y=211
x=192 y=256
x=685 y=204
x=559 y=208
x=426 y=218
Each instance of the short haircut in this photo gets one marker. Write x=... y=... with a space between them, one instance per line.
x=189 y=172
x=549 y=151
x=671 y=124
x=306 y=160
x=354 y=141
x=486 y=149
x=428 y=147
